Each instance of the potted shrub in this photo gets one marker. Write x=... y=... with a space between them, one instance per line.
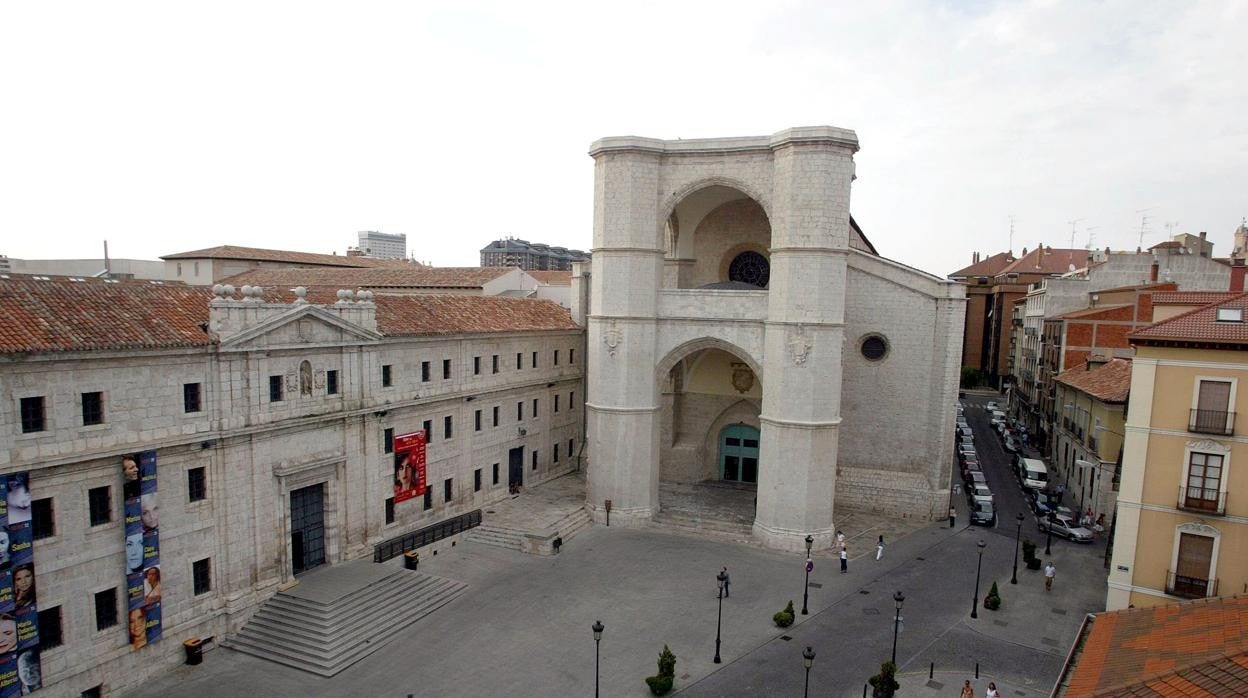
x=993 y=600
x=1029 y=554
x=662 y=682
x=785 y=618
x=883 y=685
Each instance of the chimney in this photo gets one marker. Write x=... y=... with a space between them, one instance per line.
x=1152 y=274
x=1203 y=234
x=1237 y=275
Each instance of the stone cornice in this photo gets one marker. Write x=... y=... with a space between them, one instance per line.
x=804 y=135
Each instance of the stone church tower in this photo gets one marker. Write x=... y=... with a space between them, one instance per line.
x=720 y=280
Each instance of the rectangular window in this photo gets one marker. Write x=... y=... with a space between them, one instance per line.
x=520 y=411
x=42 y=519
x=428 y=427
x=571 y=447
x=196 y=484
x=533 y=360
x=494 y=474
x=556 y=362
x=571 y=356
x=554 y=455
x=519 y=361
x=476 y=365
x=50 y=634
x=476 y=420
x=1212 y=414
x=571 y=398
x=496 y=415
x=1192 y=574
x=1204 y=478
x=387 y=440
x=190 y=397
x=92 y=409
x=386 y=377
x=476 y=480
x=33 y=415
x=428 y=498
x=201 y=576
x=331 y=382
x=105 y=609
x=424 y=371
x=446 y=489
x=389 y=510
x=494 y=364
x=448 y=426
x=99 y=505
x=534 y=459
x=534 y=408
x=275 y=388
x=556 y=403
x=446 y=369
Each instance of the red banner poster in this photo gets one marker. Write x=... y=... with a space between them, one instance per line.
x=409 y=466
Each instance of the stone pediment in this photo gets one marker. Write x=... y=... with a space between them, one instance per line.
x=301 y=325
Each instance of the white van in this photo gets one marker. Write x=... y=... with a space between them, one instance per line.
x=1033 y=474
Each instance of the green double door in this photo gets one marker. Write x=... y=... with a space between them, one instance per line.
x=738 y=454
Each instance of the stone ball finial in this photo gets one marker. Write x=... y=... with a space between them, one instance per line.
x=364 y=296
x=218 y=290
x=301 y=294
x=247 y=291
x=344 y=294
x=227 y=290
x=257 y=292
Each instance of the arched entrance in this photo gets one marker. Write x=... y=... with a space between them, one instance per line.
x=738 y=454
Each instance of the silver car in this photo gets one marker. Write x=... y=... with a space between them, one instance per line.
x=1067 y=527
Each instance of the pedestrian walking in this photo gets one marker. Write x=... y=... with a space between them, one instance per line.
x=727 y=582
x=844 y=560
x=967 y=691
x=992 y=691
x=1049 y=572
x=840 y=540
x=879 y=549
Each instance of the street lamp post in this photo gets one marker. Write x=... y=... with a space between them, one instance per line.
x=810 y=540
x=808 y=658
x=899 y=598
x=1017 y=535
x=1048 y=545
x=719 y=621
x=975 y=601
x=597 y=628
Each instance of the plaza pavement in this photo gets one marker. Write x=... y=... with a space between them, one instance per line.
x=523 y=627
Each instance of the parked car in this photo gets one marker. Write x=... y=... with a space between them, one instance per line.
x=965 y=452
x=1012 y=444
x=961 y=421
x=992 y=406
x=978 y=490
x=970 y=466
x=966 y=431
x=977 y=478
x=1066 y=526
x=982 y=511
x=1042 y=502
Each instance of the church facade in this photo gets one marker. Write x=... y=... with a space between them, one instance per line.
x=742 y=328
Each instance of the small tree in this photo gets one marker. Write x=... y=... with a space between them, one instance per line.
x=662 y=682
x=785 y=618
x=883 y=685
x=993 y=600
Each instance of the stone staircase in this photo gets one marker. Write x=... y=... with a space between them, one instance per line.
x=538 y=541
x=496 y=536
x=326 y=636
x=687 y=523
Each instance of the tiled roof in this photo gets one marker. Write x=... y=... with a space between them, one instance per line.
x=988 y=266
x=1160 y=651
x=288 y=256
x=1192 y=297
x=1199 y=325
x=553 y=278
x=374 y=279
x=1048 y=261
x=62 y=315
x=1086 y=313
x=1110 y=382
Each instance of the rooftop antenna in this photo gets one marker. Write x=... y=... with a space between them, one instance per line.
x=1072 y=231
x=1170 y=226
x=1011 y=248
x=1091 y=235
x=1144 y=223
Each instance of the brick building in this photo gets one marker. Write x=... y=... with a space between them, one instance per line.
x=272 y=418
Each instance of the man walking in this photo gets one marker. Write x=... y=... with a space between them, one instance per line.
x=879 y=548
x=1049 y=572
x=844 y=559
x=727 y=582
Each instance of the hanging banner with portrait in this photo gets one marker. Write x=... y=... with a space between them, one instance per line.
x=143 y=588
x=409 y=466
x=20 y=672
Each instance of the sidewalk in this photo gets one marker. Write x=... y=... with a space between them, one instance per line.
x=949 y=683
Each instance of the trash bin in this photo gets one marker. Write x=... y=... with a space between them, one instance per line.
x=411 y=559
x=194 y=651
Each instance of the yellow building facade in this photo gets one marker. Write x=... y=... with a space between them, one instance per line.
x=1182 y=528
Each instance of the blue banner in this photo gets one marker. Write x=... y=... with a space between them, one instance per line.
x=20 y=671
x=142 y=531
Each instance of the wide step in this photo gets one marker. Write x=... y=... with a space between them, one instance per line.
x=326 y=637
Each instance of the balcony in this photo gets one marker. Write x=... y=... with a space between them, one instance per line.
x=1211 y=422
x=1190 y=587
x=712 y=304
x=1202 y=501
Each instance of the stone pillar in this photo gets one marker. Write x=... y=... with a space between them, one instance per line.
x=804 y=335
x=623 y=402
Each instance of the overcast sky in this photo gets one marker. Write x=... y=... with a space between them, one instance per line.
x=171 y=126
